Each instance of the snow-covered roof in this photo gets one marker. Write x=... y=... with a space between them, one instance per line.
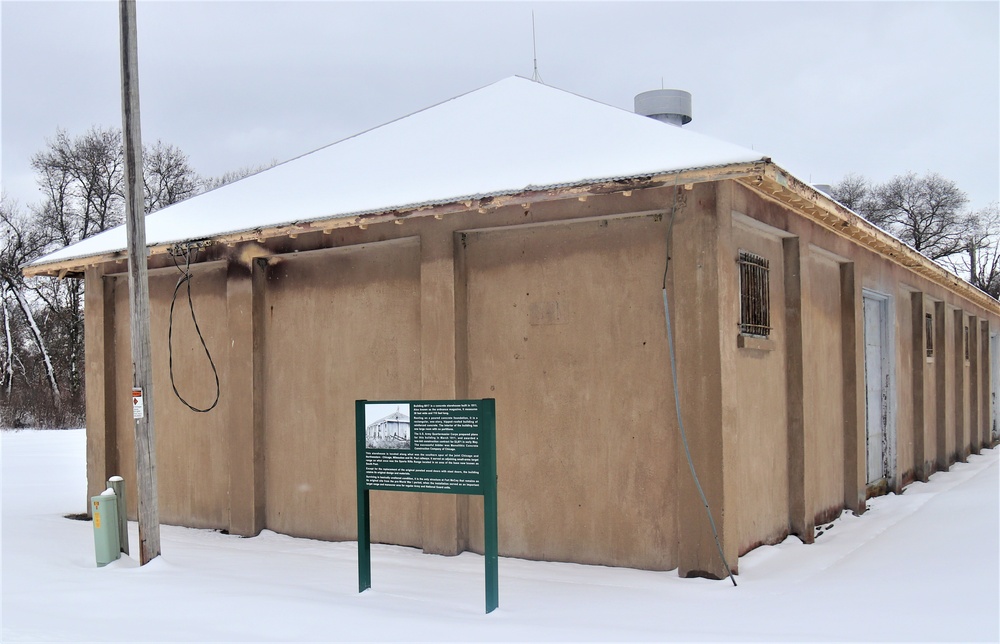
x=512 y=136
x=397 y=416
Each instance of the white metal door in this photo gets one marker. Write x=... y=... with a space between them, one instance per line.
x=876 y=391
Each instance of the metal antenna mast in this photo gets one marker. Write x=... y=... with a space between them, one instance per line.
x=534 y=50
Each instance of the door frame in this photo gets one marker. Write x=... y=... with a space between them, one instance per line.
x=887 y=341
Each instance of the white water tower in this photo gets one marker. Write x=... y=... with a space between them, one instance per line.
x=668 y=105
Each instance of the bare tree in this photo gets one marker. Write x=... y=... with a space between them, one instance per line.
x=925 y=212
x=980 y=256
x=20 y=240
x=81 y=181
x=80 y=178
x=167 y=176
x=211 y=183
x=7 y=363
x=856 y=192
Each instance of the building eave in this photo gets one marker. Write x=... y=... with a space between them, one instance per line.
x=74 y=267
x=776 y=184
x=763 y=177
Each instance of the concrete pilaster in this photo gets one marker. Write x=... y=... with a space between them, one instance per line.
x=244 y=397
x=99 y=341
x=919 y=358
x=975 y=393
x=801 y=520
x=943 y=421
x=986 y=384
x=958 y=386
x=854 y=389
x=444 y=516
x=701 y=246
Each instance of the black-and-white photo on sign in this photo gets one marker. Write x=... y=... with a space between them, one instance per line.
x=387 y=426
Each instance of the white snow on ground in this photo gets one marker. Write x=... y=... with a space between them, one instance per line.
x=923 y=565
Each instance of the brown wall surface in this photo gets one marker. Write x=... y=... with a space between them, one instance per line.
x=905 y=352
x=701 y=285
x=554 y=309
x=836 y=452
x=962 y=385
x=824 y=386
x=565 y=329
x=760 y=433
x=340 y=325
x=99 y=341
x=930 y=392
x=191 y=461
x=952 y=375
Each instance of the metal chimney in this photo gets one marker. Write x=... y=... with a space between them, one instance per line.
x=668 y=105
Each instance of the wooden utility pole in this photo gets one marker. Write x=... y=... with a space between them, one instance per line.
x=138 y=288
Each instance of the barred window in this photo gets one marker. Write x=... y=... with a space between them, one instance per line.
x=755 y=295
x=929 y=332
x=966 y=342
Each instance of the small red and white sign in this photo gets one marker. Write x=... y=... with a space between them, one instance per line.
x=138 y=410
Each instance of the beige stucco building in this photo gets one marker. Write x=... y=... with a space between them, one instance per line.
x=511 y=243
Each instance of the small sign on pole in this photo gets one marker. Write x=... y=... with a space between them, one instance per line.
x=438 y=446
x=138 y=409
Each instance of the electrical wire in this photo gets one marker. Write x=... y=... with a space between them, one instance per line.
x=185 y=278
x=677 y=396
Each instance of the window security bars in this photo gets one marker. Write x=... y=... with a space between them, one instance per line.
x=929 y=333
x=755 y=295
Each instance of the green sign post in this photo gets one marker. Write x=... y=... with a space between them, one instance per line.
x=438 y=446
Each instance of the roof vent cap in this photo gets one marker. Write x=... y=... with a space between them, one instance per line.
x=668 y=105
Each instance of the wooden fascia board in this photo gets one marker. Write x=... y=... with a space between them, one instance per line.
x=777 y=185
x=75 y=267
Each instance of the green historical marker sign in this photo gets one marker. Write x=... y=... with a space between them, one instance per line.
x=438 y=446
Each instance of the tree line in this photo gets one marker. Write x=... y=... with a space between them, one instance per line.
x=81 y=182
x=41 y=319
x=929 y=213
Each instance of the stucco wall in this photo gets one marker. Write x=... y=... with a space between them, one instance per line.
x=759 y=381
x=833 y=385
x=340 y=325
x=908 y=349
x=565 y=329
x=824 y=385
x=930 y=392
x=191 y=448
x=555 y=309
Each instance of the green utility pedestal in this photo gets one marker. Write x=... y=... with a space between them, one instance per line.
x=117 y=484
x=106 y=544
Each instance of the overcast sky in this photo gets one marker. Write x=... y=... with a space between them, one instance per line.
x=822 y=88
